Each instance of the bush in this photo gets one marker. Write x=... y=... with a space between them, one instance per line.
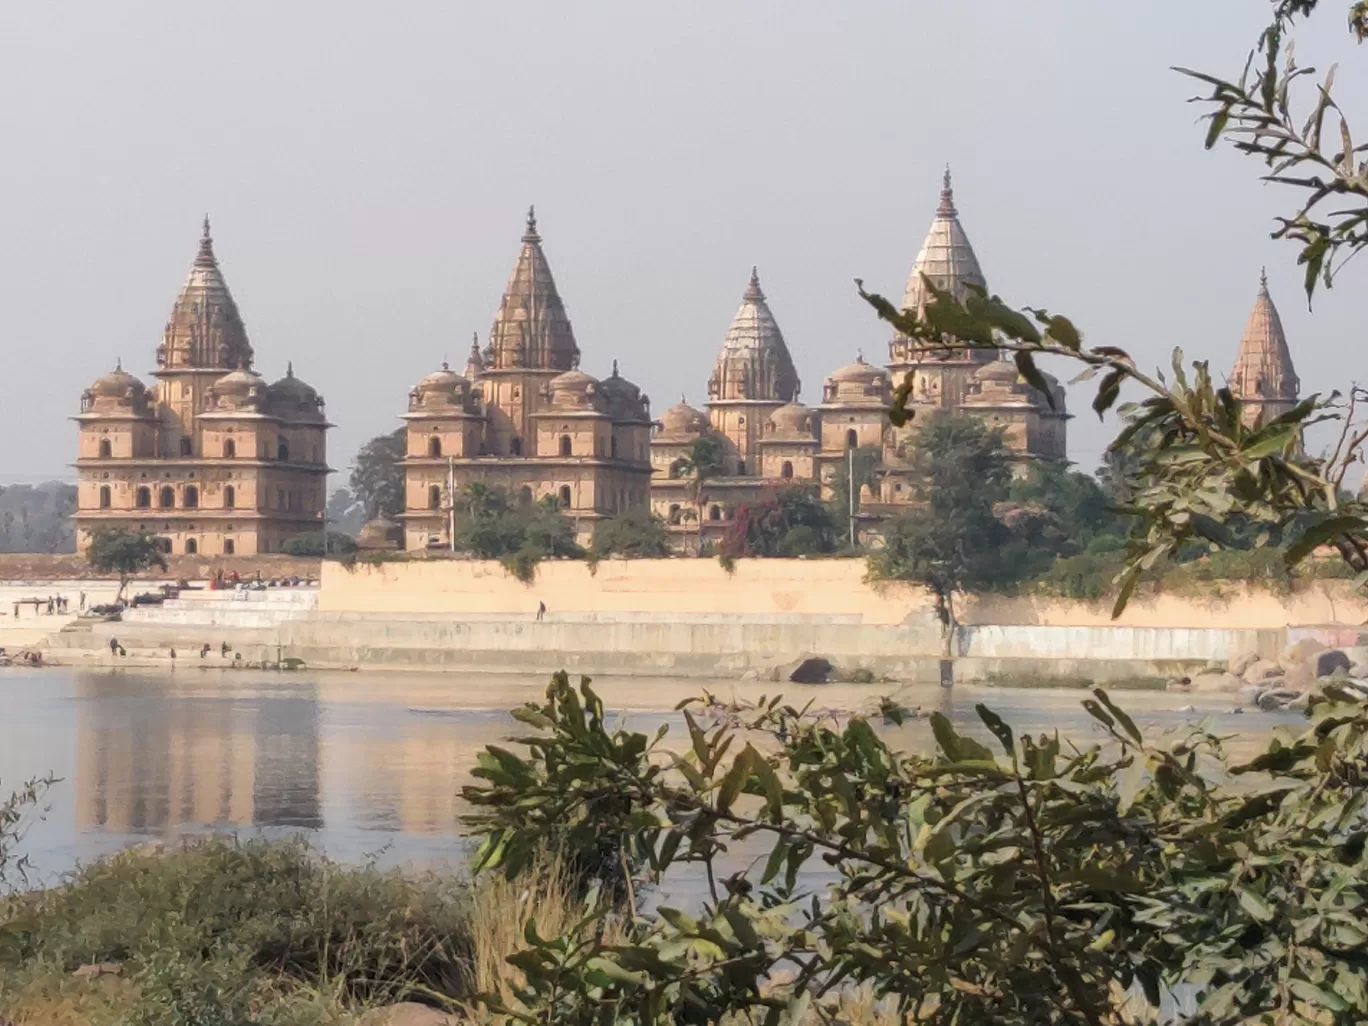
x=635 y=534
x=315 y=543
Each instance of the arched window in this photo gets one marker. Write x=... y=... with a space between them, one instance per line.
x=852 y=439
x=191 y=546
x=787 y=471
x=515 y=447
x=282 y=452
x=741 y=467
x=674 y=514
x=229 y=497
x=229 y=449
x=167 y=499
x=715 y=513
x=104 y=497
x=187 y=448
x=191 y=497
x=165 y=545
x=565 y=496
x=434 y=497
x=565 y=445
x=525 y=495
x=228 y=546
x=106 y=450
x=143 y=499
x=434 y=446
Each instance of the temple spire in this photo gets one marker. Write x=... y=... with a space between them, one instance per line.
x=947 y=197
x=946 y=257
x=753 y=293
x=530 y=235
x=531 y=329
x=1263 y=377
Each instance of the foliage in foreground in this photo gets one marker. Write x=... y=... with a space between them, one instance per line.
x=1032 y=885
x=204 y=931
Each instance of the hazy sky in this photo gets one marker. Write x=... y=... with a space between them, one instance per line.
x=367 y=168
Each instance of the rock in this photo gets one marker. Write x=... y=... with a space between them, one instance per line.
x=1263 y=670
x=1218 y=681
x=97 y=969
x=751 y=675
x=1304 y=650
x=1329 y=662
x=811 y=671
x=407 y=1013
x=1242 y=662
x=1178 y=684
x=1273 y=699
x=1301 y=676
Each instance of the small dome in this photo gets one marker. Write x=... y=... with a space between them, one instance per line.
x=792 y=419
x=615 y=386
x=292 y=387
x=997 y=371
x=683 y=419
x=572 y=381
x=859 y=371
x=444 y=380
x=239 y=382
x=116 y=383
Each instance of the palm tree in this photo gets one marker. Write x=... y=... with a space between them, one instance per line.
x=705 y=461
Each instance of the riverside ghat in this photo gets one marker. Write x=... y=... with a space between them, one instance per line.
x=693 y=618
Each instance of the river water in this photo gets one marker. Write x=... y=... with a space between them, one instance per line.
x=372 y=764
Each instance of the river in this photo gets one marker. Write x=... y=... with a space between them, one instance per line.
x=372 y=764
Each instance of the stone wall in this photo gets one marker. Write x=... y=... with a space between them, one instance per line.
x=36 y=566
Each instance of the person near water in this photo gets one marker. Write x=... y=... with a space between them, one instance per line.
x=541 y=610
x=204 y=650
x=223 y=650
x=113 y=646
x=83 y=601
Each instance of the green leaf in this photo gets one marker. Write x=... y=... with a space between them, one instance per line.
x=1127 y=724
x=1027 y=369
x=1318 y=996
x=1108 y=391
x=1000 y=730
x=1318 y=534
x=1254 y=905
x=735 y=779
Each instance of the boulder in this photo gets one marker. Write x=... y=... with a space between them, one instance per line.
x=1242 y=662
x=1328 y=662
x=407 y=1013
x=1273 y=699
x=1216 y=681
x=1263 y=670
x=751 y=675
x=1304 y=650
x=815 y=670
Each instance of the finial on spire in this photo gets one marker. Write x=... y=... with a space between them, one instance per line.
x=531 y=234
x=445 y=365
x=615 y=370
x=1263 y=279
x=947 y=196
x=474 y=341
x=753 y=289
x=289 y=368
x=118 y=363
x=859 y=356
x=206 y=236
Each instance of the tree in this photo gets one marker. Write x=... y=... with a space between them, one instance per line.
x=787 y=522
x=1257 y=116
x=377 y=476
x=126 y=553
x=316 y=543
x=633 y=534
x=1032 y=883
x=489 y=526
x=345 y=512
x=706 y=460
x=867 y=466
x=951 y=539
x=37 y=518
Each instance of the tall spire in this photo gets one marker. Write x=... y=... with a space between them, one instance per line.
x=1263 y=377
x=531 y=328
x=205 y=330
x=754 y=363
x=474 y=364
x=946 y=257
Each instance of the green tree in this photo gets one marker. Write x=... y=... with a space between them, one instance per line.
x=706 y=460
x=866 y=467
x=951 y=540
x=317 y=543
x=126 y=553
x=633 y=534
x=490 y=526
x=1032 y=883
x=377 y=475
x=345 y=512
x=787 y=522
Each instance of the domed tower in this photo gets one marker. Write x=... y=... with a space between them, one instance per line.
x=444 y=422
x=530 y=343
x=940 y=378
x=753 y=377
x=788 y=450
x=216 y=462
x=672 y=495
x=1032 y=425
x=1263 y=378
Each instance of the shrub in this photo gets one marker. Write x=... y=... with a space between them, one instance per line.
x=316 y=543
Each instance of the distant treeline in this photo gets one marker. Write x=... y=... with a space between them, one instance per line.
x=37 y=518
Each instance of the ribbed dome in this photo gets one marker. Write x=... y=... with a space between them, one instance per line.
x=573 y=388
x=1263 y=368
x=115 y=384
x=445 y=380
x=754 y=363
x=792 y=419
x=205 y=328
x=946 y=257
x=239 y=382
x=859 y=371
x=531 y=328
x=683 y=419
x=998 y=371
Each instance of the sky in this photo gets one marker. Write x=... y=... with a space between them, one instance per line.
x=368 y=168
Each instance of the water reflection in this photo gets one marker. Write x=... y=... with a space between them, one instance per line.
x=365 y=762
